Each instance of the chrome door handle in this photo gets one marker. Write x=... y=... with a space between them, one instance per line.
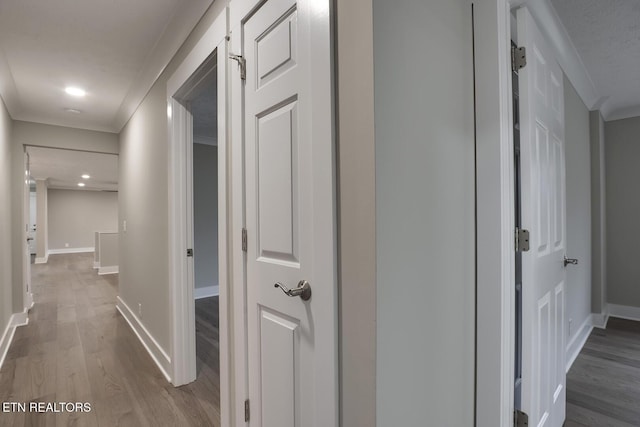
x=571 y=261
x=303 y=290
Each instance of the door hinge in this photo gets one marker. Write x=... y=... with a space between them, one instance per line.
x=522 y=240
x=245 y=240
x=520 y=419
x=246 y=411
x=518 y=58
x=242 y=63
x=189 y=252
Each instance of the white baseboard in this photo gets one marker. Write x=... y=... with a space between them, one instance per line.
x=163 y=361
x=113 y=269
x=624 y=312
x=69 y=251
x=578 y=341
x=599 y=320
x=206 y=292
x=5 y=341
x=29 y=302
x=42 y=260
x=96 y=265
x=17 y=319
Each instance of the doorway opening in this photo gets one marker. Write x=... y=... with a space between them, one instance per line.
x=198 y=218
x=203 y=104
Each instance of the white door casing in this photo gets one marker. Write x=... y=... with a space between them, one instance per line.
x=544 y=215
x=290 y=214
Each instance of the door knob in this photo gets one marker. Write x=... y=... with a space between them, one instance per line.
x=572 y=261
x=303 y=290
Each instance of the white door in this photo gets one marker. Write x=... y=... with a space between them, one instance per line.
x=543 y=214
x=289 y=167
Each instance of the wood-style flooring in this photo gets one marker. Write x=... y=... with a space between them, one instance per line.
x=78 y=348
x=603 y=385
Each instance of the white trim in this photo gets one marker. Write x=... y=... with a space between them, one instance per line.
x=21 y=318
x=566 y=53
x=599 y=320
x=16 y=320
x=235 y=158
x=69 y=251
x=623 y=312
x=619 y=114
x=42 y=260
x=5 y=341
x=153 y=348
x=96 y=265
x=200 y=52
x=8 y=91
x=112 y=269
x=187 y=15
x=28 y=305
x=206 y=292
x=495 y=219
x=578 y=341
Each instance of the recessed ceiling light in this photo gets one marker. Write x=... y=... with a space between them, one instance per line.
x=75 y=91
x=72 y=110
x=85 y=176
x=81 y=184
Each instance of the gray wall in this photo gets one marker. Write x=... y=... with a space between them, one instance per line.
x=598 y=215
x=27 y=133
x=143 y=203
x=205 y=215
x=622 y=157
x=424 y=148
x=6 y=288
x=578 y=188
x=74 y=216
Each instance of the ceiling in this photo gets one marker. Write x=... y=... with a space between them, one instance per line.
x=114 y=49
x=606 y=35
x=63 y=169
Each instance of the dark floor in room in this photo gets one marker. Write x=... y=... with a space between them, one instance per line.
x=78 y=348
x=603 y=385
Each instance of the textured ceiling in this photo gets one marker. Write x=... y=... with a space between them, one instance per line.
x=64 y=168
x=606 y=34
x=103 y=46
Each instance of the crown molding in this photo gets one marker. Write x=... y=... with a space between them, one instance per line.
x=187 y=16
x=566 y=53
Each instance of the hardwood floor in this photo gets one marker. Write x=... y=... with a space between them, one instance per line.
x=78 y=348
x=603 y=385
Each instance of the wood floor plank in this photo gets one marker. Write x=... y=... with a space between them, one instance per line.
x=603 y=384
x=78 y=348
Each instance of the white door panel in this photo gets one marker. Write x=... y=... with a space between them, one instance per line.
x=543 y=213
x=289 y=217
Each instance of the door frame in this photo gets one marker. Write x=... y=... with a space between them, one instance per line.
x=182 y=302
x=495 y=260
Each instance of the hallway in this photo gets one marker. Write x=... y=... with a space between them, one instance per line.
x=78 y=348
